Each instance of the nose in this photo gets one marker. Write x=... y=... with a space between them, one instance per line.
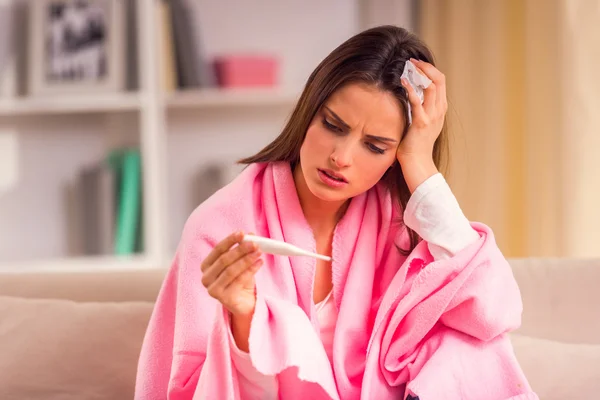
x=342 y=155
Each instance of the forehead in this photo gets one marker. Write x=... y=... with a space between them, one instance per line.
x=364 y=106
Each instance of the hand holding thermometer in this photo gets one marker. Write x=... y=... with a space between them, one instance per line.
x=272 y=246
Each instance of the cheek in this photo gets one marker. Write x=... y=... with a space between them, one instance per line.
x=316 y=142
x=373 y=168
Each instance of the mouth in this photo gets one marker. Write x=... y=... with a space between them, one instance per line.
x=333 y=175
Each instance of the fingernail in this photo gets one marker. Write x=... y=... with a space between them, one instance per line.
x=414 y=60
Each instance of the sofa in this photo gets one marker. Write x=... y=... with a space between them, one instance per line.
x=68 y=336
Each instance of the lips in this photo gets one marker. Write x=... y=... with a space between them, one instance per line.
x=334 y=175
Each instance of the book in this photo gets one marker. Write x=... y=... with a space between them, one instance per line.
x=192 y=68
x=168 y=73
x=6 y=48
x=13 y=34
x=127 y=165
x=98 y=196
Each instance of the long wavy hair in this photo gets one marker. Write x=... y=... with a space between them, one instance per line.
x=375 y=56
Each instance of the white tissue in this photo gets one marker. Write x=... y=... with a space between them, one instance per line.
x=418 y=81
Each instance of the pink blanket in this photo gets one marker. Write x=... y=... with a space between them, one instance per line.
x=407 y=326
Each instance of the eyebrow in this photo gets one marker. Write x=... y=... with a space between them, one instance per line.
x=347 y=127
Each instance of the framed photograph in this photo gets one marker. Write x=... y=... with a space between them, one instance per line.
x=76 y=46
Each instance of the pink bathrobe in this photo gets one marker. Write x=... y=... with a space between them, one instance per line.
x=407 y=326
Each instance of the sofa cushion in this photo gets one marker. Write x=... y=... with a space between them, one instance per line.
x=560 y=298
x=138 y=285
x=558 y=370
x=60 y=349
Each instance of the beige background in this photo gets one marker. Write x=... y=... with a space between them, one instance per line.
x=525 y=105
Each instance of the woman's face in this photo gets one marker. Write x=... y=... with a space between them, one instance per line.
x=351 y=142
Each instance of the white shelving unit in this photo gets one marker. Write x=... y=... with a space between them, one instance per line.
x=151 y=108
x=210 y=98
x=120 y=102
x=151 y=105
x=134 y=102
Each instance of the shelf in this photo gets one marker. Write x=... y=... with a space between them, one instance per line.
x=70 y=104
x=232 y=98
x=84 y=264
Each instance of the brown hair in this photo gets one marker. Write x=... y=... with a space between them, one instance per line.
x=375 y=56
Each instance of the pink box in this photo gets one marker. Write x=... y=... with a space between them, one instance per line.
x=246 y=71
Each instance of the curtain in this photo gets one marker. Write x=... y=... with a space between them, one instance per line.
x=524 y=108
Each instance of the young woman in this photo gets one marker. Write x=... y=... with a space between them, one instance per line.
x=416 y=302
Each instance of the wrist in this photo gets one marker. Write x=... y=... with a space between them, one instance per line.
x=240 y=328
x=422 y=158
x=416 y=170
x=242 y=316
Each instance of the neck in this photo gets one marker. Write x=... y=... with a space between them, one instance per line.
x=321 y=215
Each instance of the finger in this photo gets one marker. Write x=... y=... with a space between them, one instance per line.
x=438 y=78
x=245 y=279
x=429 y=70
x=247 y=276
x=223 y=246
x=232 y=272
x=415 y=101
x=430 y=98
x=226 y=260
x=429 y=94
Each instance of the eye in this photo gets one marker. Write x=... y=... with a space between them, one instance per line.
x=331 y=126
x=375 y=149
